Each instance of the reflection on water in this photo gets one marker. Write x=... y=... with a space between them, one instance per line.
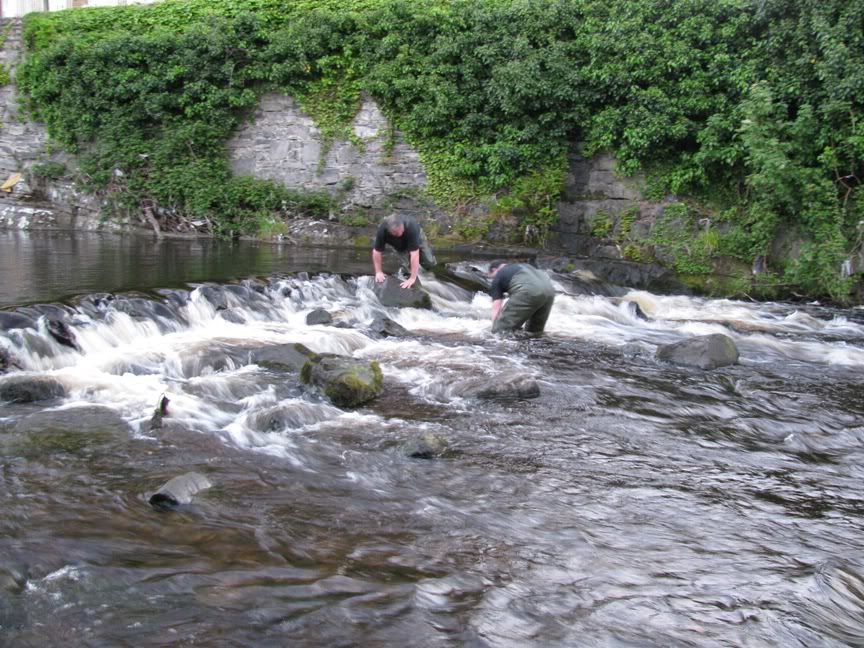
x=631 y=503
x=46 y=266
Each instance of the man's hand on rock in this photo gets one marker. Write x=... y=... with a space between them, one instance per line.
x=380 y=277
x=408 y=283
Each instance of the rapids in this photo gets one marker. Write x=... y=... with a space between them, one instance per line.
x=631 y=503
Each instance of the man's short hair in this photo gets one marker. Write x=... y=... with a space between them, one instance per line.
x=393 y=221
x=496 y=264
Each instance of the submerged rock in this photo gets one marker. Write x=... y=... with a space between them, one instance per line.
x=429 y=446
x=503 y=387
x=347 y=382
x=76 y=430
x=232 y=315
x=29 y=389
x=391 y=293
x=179 y=490
x=702 y=352
x=13 y=579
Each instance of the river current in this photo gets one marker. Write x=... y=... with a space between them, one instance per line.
x=633 y=503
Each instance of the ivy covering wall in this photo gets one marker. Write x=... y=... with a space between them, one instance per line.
x=748 y=111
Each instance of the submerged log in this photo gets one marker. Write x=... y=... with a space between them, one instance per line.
x=179 y=490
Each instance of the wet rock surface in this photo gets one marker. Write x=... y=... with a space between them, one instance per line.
x=347 y=382
x=391 y=294
x=503 y=387
x=703 y=352
x=29 y=389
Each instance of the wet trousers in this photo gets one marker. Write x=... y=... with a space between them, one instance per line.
x=427 y=258
x=530 y=302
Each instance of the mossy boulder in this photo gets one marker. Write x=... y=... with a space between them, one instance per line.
x=346 y=381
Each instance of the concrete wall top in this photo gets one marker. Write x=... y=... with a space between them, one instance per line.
x=18 y=8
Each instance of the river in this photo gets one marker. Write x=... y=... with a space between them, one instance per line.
x=633 y=503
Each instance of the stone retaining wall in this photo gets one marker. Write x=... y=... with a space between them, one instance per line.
x=283 y=144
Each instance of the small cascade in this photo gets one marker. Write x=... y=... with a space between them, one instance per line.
x=198 y=344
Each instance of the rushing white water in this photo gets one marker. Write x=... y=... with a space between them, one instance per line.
x=196 y=359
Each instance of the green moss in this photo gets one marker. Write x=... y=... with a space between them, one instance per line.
x=306 y=372
x=355 y=386
x=377 y=375
x=602 y=224
x=50 y=170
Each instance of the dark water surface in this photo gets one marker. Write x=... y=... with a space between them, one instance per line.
x=631 y=504
x=44 y=266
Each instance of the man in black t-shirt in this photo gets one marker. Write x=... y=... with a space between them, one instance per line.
x=530 y=297
x=404 y=235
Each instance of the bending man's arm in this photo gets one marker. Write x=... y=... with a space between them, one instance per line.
x=496 y=309
x=376 y=265
x=415 y=268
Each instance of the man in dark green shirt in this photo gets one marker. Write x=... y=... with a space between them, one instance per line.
x=404 y=235
x=530 y=297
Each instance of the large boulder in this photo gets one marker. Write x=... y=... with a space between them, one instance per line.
x=347 y=382
x=28 y=389
x=507 y=386
x=319 y=316
x=702 y=352
x=391 y=293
